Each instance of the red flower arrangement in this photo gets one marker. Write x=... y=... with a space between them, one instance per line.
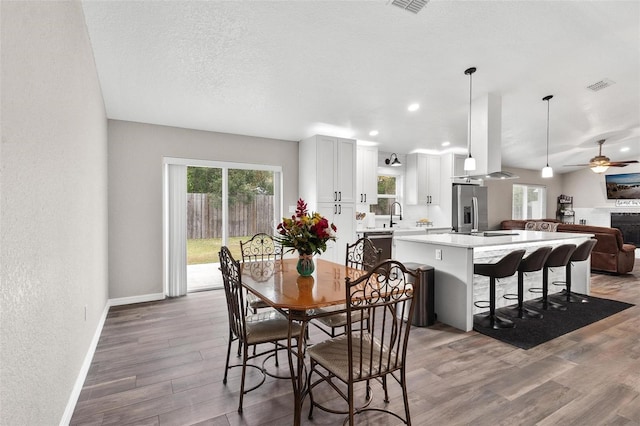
x=305 y=232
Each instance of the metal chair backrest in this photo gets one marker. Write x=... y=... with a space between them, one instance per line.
x=260 y=247
x=233 y=291
x=362 y=254
x=380 y=348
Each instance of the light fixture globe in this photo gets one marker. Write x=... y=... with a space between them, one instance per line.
x=599 y=168
x=547 y=172
x=469 y=163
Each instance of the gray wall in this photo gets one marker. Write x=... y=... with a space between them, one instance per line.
x=53 y=224
x=500 y=193
x=135 y=191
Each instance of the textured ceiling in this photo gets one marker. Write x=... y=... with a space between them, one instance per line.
x=291 y=69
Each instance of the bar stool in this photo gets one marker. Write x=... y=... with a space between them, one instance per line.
x=581 y=254
x=559 y=256
x=534 y=262
x=505 y=267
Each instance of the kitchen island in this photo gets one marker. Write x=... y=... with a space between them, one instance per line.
x=453 y=255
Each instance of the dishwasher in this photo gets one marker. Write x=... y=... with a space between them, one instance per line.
x=382 y=240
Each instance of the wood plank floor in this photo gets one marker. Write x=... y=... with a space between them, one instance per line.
x=162 y=363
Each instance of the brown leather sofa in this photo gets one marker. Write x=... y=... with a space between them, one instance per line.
x=610 y=254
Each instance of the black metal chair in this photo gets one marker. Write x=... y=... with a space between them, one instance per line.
x=582 y=253
x=261 y=247
x=559 y=257
x=361 y=355
x=505 y=267
x=362 y=255
x=532 y=263
x=253 y=330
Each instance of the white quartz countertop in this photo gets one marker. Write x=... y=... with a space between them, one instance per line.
x=401 y=229
x=480 y=240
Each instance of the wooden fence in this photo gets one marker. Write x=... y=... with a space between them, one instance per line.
x=205 y=221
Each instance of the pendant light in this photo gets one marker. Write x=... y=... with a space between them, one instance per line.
x=469 y=162
x=547 y=171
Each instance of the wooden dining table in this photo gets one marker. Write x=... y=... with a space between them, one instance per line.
x=299 y=298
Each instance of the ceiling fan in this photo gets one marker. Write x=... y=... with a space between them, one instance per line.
x=600 y=163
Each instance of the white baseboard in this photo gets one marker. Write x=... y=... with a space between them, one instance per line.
x=82 y=375
x=136 y=299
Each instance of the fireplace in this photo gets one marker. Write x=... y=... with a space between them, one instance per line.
x=629 y=225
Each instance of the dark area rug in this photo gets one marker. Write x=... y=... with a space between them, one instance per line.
x=532 y=332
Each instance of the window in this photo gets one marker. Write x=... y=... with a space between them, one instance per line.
x=529 y=202
x=388 y=193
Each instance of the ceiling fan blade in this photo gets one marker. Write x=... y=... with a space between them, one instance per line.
x=576 y=165
x=621 y=163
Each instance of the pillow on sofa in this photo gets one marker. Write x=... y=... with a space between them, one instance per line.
x=541 y=226
x=531 y=226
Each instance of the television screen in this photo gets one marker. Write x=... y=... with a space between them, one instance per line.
x=623 y=186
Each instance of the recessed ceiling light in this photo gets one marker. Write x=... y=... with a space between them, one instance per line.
x=373 y=133
x=446 y=143
x=413 y=107
x=624 y=149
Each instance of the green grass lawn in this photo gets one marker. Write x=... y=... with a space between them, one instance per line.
x=206 y=250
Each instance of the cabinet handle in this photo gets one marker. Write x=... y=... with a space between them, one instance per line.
x=365 y=198
x=335 y=209
x=335 y=196
x=339 y=208
x=361 y=200
x=339 y=195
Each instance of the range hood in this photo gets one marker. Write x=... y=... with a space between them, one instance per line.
x=486 y=131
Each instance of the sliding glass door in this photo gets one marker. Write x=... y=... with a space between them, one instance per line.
x=225 y=203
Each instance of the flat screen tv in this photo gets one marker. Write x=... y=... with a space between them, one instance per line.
x=624 y=186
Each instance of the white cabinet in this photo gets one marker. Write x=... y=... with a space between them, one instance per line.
x=367 y=181
x=458 y=165
x=423 y=179
x=327 y=183
x=343 y=216
x=327 y=169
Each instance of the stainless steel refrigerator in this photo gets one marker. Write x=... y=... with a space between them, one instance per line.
x=469 y=208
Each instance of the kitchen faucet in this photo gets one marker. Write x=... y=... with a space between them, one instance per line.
x=391 y=222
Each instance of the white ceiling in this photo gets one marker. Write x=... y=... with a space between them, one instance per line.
x=290 y=69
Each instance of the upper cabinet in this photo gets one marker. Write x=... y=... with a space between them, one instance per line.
x=423 y=179
x=367 y=181
x=327 y=182
x=327 y=170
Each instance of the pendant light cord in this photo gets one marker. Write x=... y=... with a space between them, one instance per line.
x=547 y=133
x=470 y=72
x=547 y=98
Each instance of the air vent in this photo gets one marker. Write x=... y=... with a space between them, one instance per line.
x=602 y=84
x=413 y=6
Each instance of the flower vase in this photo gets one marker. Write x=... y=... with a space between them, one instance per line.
x=305 y=266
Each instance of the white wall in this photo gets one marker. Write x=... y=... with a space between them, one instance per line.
x=53 y=223
x=135 y=191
